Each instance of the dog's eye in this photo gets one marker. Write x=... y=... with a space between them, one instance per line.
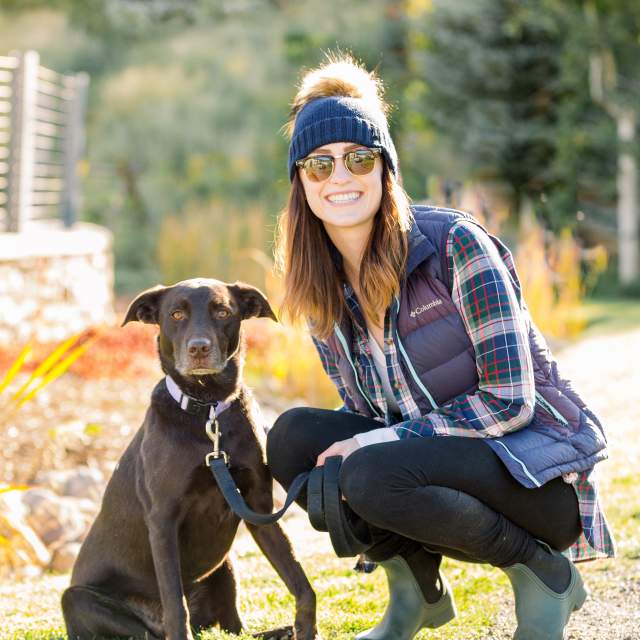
x=222 y=313
x=178 y=314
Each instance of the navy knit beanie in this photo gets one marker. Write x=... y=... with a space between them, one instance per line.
x=340 y=119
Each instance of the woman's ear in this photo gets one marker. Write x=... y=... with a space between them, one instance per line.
x=146 y=306
x=251 y=301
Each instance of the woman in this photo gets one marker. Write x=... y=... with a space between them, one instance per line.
x=458 y=435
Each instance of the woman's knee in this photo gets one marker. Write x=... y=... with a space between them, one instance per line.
x=363 y=482
x=288 y=427
x=286 y=440
x=563 y=537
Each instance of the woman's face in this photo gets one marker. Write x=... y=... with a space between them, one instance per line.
x=344 y=200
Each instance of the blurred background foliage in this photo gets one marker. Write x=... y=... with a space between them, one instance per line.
x=492 y=112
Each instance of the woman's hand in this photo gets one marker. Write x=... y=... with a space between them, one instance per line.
x=342 y=448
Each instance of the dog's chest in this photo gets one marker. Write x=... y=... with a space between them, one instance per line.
x=204 y=500
x=207 y=526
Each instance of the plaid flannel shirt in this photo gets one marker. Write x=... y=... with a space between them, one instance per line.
x=488 y=299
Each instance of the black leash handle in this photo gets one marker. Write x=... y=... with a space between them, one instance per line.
x=345 y=541
x=315 y=499
x=326 y=509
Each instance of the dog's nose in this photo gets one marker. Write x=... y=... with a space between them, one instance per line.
x=199 y=346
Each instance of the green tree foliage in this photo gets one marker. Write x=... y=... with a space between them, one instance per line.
x=508 y=85
x=613 y=27
x=493 y=86
x=584 y=161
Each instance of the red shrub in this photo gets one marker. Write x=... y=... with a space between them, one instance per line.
x=116 y=352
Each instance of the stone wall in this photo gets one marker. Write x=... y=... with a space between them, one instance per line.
x=54 y=281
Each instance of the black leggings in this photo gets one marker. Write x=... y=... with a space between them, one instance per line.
x=450 y=495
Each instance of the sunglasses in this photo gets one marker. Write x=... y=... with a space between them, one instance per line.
x=358 y=163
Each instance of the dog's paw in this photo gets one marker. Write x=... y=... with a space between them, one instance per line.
x=282 y=633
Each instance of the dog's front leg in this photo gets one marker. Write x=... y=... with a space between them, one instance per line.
x=276 y=546
x=163 y=537
x=159 y=492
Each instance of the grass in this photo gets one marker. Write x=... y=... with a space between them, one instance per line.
x=349 y=601
x=625 y=514
x=611 y=315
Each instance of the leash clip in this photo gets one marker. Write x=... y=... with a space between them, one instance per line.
x=214 y=436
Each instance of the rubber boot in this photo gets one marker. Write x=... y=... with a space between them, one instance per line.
x=408 y=611
x=541 y=612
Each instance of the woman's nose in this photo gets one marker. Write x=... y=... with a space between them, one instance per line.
x=340 y=171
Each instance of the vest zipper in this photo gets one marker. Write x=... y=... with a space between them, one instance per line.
x=522 y=464
x=421 y=386
x=551 y=409
x=347 y=352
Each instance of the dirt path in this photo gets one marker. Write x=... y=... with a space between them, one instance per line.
x=605 y=370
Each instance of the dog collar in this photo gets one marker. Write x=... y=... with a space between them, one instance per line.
x=191 y=405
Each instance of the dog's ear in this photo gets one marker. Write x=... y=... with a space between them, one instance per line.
x=146 y=306
x=252 y=302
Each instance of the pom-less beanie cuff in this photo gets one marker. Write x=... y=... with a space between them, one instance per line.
x=339 y=119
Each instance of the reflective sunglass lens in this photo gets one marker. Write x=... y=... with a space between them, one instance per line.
x=360 y=162
x=318 y=168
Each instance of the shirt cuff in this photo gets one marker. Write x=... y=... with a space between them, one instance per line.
x=376 y=436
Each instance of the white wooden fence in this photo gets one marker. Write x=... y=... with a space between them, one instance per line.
x=41 y=141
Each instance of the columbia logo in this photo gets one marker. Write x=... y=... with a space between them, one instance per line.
x=425 y=307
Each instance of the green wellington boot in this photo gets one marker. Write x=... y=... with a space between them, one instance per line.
x=542 y=614
x=408 y=611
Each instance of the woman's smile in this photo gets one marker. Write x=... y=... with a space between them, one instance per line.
x=344 y=197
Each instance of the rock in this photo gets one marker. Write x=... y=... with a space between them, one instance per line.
x=81 y=482
x=31 y=499
x=22 y=552
x=54 y=480
x=45 y=529
x=64 y=557
x=57 y=519
x=86 y=482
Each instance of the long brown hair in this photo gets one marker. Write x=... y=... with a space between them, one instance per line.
x=311 y=266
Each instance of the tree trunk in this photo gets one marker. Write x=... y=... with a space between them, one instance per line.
x=628 y=264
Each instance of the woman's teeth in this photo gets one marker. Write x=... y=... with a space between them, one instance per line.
x=344 y=197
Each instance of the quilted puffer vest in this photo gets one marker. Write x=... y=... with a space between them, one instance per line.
x=438 y=362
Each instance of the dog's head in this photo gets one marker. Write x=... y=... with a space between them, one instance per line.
x=199 y=321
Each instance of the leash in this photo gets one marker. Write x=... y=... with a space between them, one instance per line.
x=325 y=507
x=231 y=493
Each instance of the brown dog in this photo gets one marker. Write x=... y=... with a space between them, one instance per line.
x=155 y=563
